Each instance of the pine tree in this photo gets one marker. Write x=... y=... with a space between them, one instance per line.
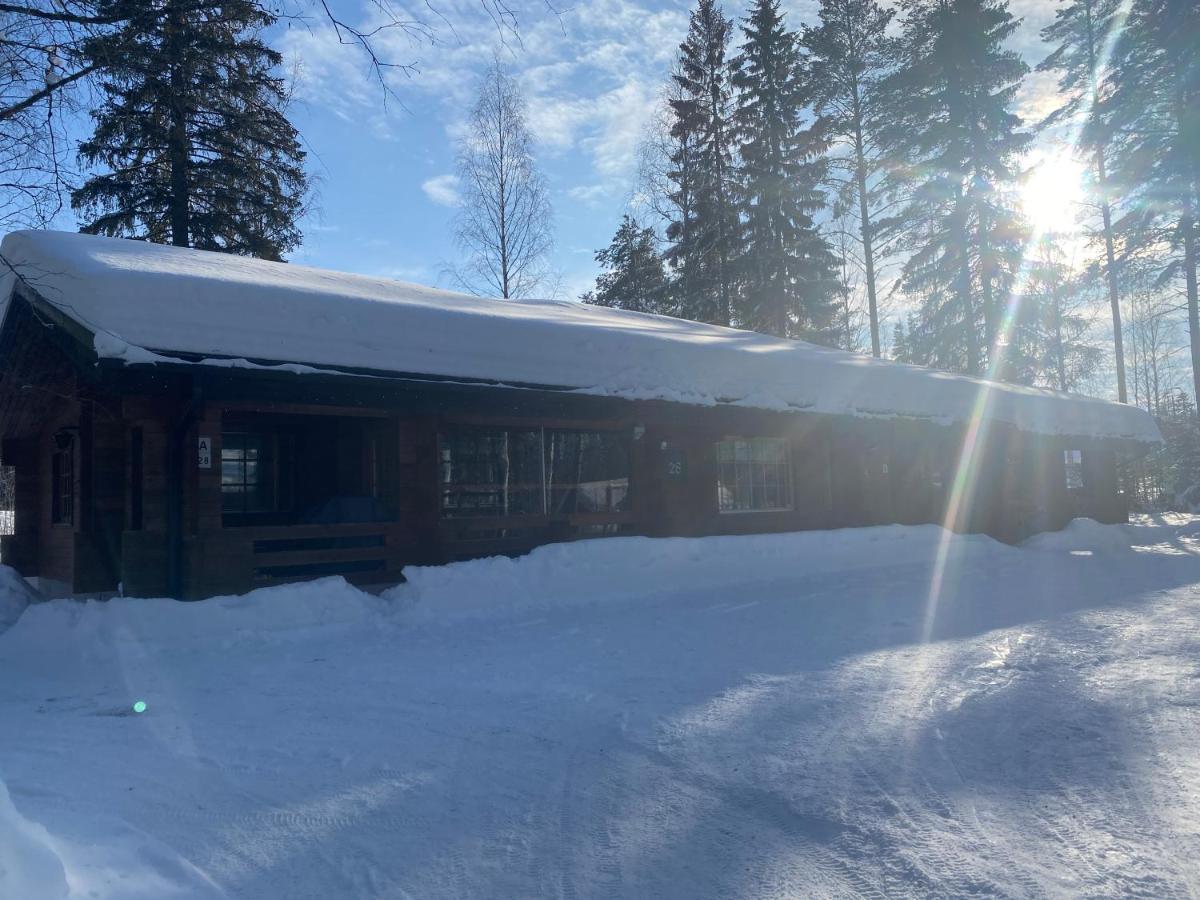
x=1151 y=110
x=192 y=133
x=704 y=237
x=899 y=342
x=634 y=277
x=851 y=55
x=1082 y=31
x=1049 y=338
x=786 y=268
x=956 y=146
x=850 y=324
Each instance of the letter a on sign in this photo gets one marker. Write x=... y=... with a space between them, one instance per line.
x=204 y=452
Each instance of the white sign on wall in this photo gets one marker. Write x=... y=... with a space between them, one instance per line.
x=204 y=452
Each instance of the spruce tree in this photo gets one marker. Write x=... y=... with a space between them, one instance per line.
x=1151 y=110
x=787 y=269
x=956 y=146
x=899 y=342
x=192 y=134
x=850 y=56
x=1082 y=32
x=704 y=236
x=633 y=276
x=1048 y=339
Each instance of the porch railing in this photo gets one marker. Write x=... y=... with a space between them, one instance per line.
x=365 y=553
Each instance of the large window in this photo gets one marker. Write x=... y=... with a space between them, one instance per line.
x=753 y=474
x=492 y=472
x=247 y=473
x=533 y=471
x=586 y=472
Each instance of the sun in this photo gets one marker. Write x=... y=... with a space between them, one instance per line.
x=1052 y=194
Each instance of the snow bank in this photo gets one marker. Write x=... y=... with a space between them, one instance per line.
x=143 y=300
x=625 y=569
x=15 y=595
x=551 y=577
x=267 y=615
x=29 y=866
x=555 y=576
x=1086 y=535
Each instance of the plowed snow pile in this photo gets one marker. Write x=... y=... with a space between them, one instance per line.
x=799 y=715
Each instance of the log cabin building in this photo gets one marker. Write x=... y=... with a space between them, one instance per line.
x=184 y=423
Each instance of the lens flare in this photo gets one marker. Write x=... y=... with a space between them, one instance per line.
x=1050 y=200
x=1052 y=195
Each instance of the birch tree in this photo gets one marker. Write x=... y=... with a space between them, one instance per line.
x=504 y=225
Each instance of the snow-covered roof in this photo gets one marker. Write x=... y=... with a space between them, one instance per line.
x=145 y=301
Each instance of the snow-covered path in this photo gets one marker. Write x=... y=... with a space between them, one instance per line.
x=757 y=717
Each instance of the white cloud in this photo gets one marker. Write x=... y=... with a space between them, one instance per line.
x=442 y=190
x=329 y=74
x=590 y=77
x=590 y=194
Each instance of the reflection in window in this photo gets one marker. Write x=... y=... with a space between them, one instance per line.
x=533 y=471
x=492 y=472
x=247 y=473
x=587 y=472
x=753 y=474
x=1073 y=461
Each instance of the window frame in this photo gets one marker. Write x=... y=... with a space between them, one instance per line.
x=785 y=467
x=447 y=487
x=542 y=513
x=549 y=485
x=1073 y=468
x=267 y=461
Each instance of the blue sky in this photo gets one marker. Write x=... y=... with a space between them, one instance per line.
x=591 y=75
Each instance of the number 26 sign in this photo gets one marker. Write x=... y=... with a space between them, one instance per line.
x=675 y=463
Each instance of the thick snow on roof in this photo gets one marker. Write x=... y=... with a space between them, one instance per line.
x=142 y=299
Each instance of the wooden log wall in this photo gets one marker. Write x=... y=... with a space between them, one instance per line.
x=844 y=472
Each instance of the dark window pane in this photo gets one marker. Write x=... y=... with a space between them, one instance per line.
x=1073 y=461
x=247 y=473
x=491 y=472
x=587 y=472
x=753 y=474
x=233 y=498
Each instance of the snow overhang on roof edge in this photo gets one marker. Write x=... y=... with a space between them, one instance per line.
x=218 y=310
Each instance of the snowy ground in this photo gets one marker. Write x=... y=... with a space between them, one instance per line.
x=755 y=717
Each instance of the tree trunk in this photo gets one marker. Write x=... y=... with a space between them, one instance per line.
x=991 y=329
x=868 y=248
x=965 y=300
x=178 y=154
x=1114 y=289
x=502 y=196
x=864 y=213
x=1188 y=227
x=1059 y=352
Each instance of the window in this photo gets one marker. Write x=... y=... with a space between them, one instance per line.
x=753 y=474
x=1073 y=461
x=62 y=488
x=247 y=473
x=8 y=500
x=587 y=472
x=533 y=472
x=492 y=472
